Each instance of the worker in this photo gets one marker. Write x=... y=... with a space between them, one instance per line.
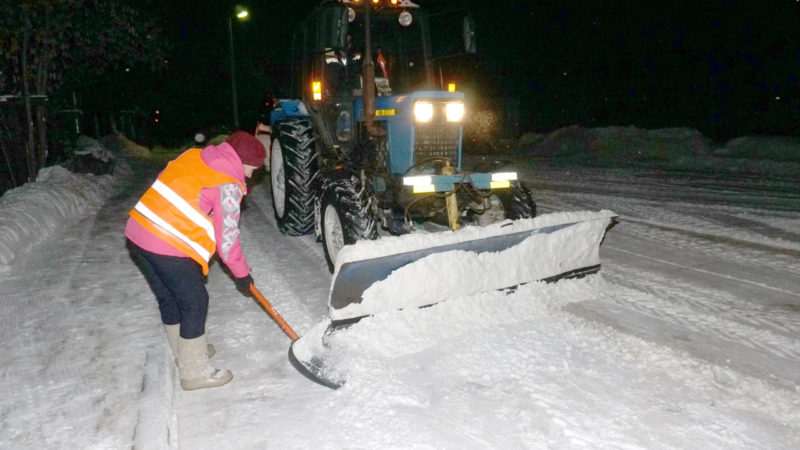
x=187 y=215
x=343 y=70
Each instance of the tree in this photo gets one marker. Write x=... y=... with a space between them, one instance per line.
x=49 y=46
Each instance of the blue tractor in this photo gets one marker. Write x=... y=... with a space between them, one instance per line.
x=371 y=144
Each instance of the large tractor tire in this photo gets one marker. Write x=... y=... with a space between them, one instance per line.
x=517 y=201
x=344 y=216
x=294 y=169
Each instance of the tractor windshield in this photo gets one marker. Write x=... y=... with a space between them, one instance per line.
x=400 y=53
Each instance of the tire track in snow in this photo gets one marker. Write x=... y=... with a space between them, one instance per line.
x=64 y=342
x=730 y=278
x=662 y=186
x=304 y=291
x=34 y=331
x=710 y=311
x=745 y=295
x=724 y=319
x=725 y=289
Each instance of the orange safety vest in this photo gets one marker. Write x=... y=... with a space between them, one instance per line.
x=169 y=208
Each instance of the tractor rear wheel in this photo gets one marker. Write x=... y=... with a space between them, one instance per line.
x=294 y=169
x=344 y=217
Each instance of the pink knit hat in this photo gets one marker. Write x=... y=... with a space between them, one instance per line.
x=249 y=149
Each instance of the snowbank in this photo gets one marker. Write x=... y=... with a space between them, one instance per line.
x=87 y=146
x=618 y=143
x=36 y=211
x=774 y=148
x=683 y=149
x=59 y=197
x=120 y=145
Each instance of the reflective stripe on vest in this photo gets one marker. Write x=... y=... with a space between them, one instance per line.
x=169 y=209
x=145 y=211
x=200 y=219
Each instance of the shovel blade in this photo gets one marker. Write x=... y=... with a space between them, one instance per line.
x=313 y=357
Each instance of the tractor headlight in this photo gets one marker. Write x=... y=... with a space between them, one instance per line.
x=454 y=112
x=504 y=176
x=423 y=111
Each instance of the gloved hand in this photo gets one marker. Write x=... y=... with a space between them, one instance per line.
x=243 y=284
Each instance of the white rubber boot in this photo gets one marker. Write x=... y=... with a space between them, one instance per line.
x=173 y=332
x=193 y=364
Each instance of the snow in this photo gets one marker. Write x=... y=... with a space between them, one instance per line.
x=86 y=146
x=688 y=337
x=33 y=212
x=395 y=244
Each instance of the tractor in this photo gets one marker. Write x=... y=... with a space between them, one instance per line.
x=370 y=144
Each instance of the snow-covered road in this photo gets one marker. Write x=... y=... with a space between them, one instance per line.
x=718 y=262
x=689 y=337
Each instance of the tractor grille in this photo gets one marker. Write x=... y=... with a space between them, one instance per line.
x=436 y=141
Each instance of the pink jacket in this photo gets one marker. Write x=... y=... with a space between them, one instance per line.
x=222 y=203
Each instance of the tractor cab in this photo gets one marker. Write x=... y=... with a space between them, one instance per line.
x=356 y=60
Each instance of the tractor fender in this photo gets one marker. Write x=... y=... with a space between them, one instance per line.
x=287 y=108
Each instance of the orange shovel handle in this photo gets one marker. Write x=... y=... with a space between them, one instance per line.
x=274 y=314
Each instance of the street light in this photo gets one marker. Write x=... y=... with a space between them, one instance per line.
x=241 y=14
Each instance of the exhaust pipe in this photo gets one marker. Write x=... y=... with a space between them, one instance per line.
x=368 y=74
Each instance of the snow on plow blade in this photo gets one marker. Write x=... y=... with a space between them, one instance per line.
x=422 y=269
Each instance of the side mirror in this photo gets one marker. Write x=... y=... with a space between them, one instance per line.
x=468 y=35
x=452 y=34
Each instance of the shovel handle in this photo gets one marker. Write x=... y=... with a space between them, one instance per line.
x=274 y=314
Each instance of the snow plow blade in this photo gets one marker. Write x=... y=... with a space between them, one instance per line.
x=417 y=270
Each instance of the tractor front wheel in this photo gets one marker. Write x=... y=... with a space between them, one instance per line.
x=517 y=201
x=345 y=217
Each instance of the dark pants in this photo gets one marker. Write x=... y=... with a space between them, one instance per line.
x=179 y=286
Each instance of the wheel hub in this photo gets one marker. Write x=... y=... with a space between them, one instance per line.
x=334 y=235
x=278 y=178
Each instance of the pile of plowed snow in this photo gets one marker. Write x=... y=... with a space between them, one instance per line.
x=618 y=143
x=668 y=148
x=35 y=211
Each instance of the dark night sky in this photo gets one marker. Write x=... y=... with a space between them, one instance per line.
x=727 y=68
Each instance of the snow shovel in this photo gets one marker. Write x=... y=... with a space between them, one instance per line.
x=314 y=370
x=272 y=313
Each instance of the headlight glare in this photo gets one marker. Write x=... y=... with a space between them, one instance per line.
x=423 y=111
x=454 y=112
